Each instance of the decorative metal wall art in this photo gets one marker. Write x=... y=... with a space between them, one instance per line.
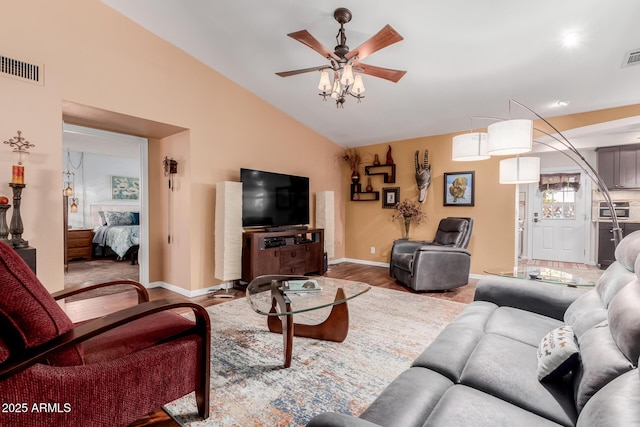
x=423 y=175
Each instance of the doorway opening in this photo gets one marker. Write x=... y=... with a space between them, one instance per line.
x=105 y=205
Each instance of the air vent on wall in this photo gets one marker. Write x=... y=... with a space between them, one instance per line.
x=21 y=70
x=631 y=58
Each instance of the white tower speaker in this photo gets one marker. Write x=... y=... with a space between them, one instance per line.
x=228 y=231
x=325 y=219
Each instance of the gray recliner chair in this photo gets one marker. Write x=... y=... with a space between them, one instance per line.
x=441 y=264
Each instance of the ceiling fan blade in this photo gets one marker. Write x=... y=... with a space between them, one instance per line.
x=304 y=37
x=383 y=73
x=302 y=71
x=385 y=37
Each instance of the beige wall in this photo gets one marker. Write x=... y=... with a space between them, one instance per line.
x=493 y=240
x=95 y=57
x=369 y=225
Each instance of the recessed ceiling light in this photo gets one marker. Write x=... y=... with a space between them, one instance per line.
x=570 y=39
x=562 y=103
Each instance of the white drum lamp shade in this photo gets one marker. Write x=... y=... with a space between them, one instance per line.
x=228 y=231
x=520 y=170
x=470 y=147
x=510 y=137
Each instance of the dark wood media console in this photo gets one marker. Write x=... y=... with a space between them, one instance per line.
x=282 y=252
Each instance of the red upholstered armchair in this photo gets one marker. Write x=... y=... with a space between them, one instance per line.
x=109 y=371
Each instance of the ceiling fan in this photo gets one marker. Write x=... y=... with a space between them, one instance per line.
x=344 y=63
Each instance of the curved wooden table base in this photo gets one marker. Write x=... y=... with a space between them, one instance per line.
x=334 y=328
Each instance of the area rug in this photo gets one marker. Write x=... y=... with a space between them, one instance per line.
x=102 y=270
x=388 y=330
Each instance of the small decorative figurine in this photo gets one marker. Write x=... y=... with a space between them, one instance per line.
x=389 y=158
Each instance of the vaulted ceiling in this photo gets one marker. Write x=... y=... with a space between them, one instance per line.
x=463 y=58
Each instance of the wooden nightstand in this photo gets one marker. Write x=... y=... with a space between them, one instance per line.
x=79 y=244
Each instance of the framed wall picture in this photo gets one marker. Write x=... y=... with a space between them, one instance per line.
x=390 y=196
x=459 y=188
x=125 y=188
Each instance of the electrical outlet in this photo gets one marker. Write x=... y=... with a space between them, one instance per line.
x=373 y=249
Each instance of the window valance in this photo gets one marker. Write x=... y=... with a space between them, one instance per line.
x=559 y=181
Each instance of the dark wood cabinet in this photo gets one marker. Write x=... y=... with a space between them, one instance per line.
x=606 y=248
x=282 y=252
x=79 y=244
x=28 y=254
x=619 y=166
x=293 y=259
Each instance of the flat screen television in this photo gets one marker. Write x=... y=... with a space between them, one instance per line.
x=273 y=199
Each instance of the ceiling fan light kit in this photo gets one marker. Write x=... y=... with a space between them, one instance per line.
x=346 y=65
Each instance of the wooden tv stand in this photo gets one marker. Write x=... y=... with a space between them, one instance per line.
x=282 y=252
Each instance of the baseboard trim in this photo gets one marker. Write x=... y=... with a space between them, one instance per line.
x=227 y=285
x=186 y=293
x=360 y=261
x=384 y=264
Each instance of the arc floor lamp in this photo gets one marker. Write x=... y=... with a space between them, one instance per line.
x=515 y=137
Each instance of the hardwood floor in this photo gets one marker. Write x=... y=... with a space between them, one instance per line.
x=375 y=276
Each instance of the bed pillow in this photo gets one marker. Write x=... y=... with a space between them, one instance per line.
x=136 y=218
x=557 y=354
x=119 y=218
x=103 y=219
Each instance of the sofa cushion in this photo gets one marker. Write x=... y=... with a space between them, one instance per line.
x=612 y=280
x=463 y=406
x=408 y=400
x=628 y=250
x=31 y=317
x=557 y=354
x=615 y=405
x=507 y=369
x=440 y=355
x=585 y=312
x=449 y=352
x=624 y=320
x=600 y=362
x=533 y=296
x=520 y=325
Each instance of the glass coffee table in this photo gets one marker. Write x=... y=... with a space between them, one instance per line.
x=266 y=296
x=542 y=274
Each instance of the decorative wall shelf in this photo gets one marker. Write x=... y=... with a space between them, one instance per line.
x=388 y=172
x=366 y=196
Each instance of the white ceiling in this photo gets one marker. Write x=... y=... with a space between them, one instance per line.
x=463 y=58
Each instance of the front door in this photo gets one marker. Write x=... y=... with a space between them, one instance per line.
x=559 y=223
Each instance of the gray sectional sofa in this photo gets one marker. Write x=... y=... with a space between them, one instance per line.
x=482 y=370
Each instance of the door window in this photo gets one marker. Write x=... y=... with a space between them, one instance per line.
x=559 y=204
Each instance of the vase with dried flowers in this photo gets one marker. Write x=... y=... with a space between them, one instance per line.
x=408 y=211
x=353 y=158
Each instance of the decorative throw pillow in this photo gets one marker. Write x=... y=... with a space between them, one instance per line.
x=557 y=354
x=119 y=218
